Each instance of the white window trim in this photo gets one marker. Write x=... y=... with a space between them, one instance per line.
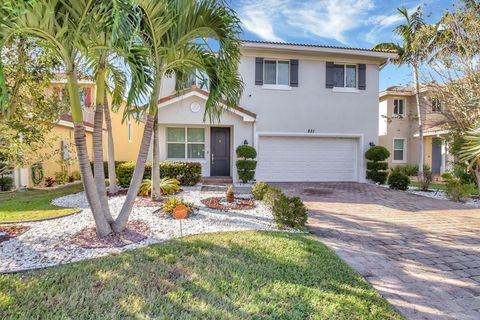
x=130 y=132
x=404 y=150
x=276 y=86
x=345 y=88
x=186 y=143
x=404 y=107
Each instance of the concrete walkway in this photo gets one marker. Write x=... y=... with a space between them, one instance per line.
x=421 y=254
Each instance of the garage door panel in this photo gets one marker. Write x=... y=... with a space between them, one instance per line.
x=307 y=159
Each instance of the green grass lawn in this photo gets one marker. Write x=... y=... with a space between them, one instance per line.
x=237 y=275
x=470 y=188
x=35 y=204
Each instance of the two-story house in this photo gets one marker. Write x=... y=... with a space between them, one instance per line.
x=311 y=112
x=398 y=127
x=60 y=154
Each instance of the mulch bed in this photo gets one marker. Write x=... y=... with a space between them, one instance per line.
x=219 y=203
x=148 y=202
x=11 y=232
x=135 y=231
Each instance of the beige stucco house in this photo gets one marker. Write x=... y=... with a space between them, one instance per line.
x=398 y=127
x=311 y=111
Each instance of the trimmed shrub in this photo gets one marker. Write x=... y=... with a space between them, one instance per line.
x=377 y=153
x=105 y=166
x=259 y=189
x=375 y=167
x=246 y=151
x=377 y=176
x=246 y=166
x=171 y=203
x=61 y=177
x=49 y=182
x=145 y=188
x=455 y=189
x=187 y=173
x=289 y=212
x=398 y=181
x=6 y=183
x=272 y=195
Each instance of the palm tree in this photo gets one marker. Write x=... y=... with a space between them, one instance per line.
x=176 y=33
x=64 y=26
x=412 y=54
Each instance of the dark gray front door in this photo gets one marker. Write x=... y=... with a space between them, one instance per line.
x=436 y=155
x=220 y=152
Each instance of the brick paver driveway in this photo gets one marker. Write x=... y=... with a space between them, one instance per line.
x=422 y=254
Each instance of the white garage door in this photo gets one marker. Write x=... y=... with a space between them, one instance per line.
x=307 y=159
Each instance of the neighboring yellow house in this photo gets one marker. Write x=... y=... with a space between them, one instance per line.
x=398 y=128
x=59 y=155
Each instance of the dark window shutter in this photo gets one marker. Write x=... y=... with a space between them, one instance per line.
x=362 y=76
x=258 y=71
x=330 y=67
x=293 y=73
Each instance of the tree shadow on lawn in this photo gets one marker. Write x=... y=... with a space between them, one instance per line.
x=229 y=275
x=433 y=270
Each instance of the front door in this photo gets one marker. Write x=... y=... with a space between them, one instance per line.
x=436 y=155
x=220 y=152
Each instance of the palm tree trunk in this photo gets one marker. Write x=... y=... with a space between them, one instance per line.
x=102 y=225
x=156 y=194
x=421 y=149
x=99 y=170
x=112 y=174
x=137 y=178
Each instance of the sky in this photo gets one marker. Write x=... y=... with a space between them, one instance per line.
x=352 y=23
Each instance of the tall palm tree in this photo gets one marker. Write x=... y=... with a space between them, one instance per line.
x=176 y=32
x=64 y=26
x=411 y=54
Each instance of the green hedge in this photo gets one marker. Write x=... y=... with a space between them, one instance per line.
x=398 y=181
x=188 y=173
x=376 y=166
x=246 y=166
x=105 y=166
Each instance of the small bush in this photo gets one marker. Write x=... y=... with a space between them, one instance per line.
x=61 y=177
x=145 y=188
x=456 y=191
x=426 y=180
x=289 y=212
x=377 y=176
x=272 y=195
x=49 y=182
x=187 y=173
x=105 y=166
x=259 y=189
x=171 y=203
x=398 y=181
x=6 y=183
x=169 y=186
x=377 y=166
x=71 y=178
x=247 y=152
x=76 y=175
x=246 y=166
x=377 y=153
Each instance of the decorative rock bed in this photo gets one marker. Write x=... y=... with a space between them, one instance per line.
x=219 y=203
x=10 y=232
x=62 y=240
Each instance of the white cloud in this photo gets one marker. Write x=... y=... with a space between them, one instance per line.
x=330 y=19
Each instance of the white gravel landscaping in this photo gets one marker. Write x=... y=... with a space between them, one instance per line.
x=48 y=243
x=442 y=195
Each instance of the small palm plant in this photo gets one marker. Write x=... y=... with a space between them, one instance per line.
x=230 y=195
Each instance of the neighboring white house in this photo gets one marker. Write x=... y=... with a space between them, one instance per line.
x=311 y=111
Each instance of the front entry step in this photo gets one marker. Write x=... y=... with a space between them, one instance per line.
x=214 y=188
x=217 y=181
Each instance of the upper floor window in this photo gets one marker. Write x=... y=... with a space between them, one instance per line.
x=199 y=79
x=276 y=72
x=345 y=76
x=399 y=107
x=436 y=105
